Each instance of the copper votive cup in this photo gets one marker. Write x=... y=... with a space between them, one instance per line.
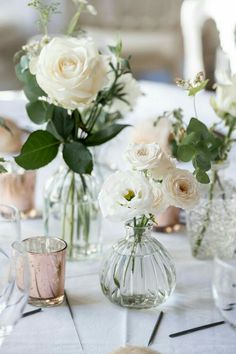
x=47 y=258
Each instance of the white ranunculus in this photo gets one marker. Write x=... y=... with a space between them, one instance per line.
x=126 y=195
x=181 y=189
x=225 y=99
x=150 y=157
x=131 y=92
x=70 y=71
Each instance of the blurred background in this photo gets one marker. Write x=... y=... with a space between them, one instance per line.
x=166 y=38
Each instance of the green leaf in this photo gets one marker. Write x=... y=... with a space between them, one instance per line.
x=103 y=135
x=202 y=161
x=32 y=89
x=185 y=153
x=202 y=177
x=196 y=126
x=39 y=112
x=22 y=70
x=193 y=137
x=117 y=49
x=2 y=169
x=78 y=120
x=63 y=122
x=40 y=148
x=194 y=90
x=78 y=157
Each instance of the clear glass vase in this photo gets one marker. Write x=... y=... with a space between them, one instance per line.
x=71 y=211
x=137 y=272
x=211 y=224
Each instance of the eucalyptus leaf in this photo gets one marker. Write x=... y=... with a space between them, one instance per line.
x=104 y=135
x=202 y=177
x=185 y=153
x=39 y=111
x=31 y=87
x=193 y=137
x=40 y=148
x=78 y=157
x=202 y=161
x=196 y=126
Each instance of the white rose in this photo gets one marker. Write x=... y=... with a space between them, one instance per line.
x=70 y=71
x=160 y=203
x=143 y=156
x=181 y=189
x=225 y=100
x=126 y=195
x=150 y=157
x=130 y=91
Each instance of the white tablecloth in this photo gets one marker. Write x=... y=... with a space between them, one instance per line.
x=100 y=325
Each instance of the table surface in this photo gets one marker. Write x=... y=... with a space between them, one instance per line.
x=99 y=326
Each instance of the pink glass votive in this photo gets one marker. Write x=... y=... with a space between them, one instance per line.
x=46 y=257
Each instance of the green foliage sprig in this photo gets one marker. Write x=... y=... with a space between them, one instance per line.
x=75 y=132
x=196 y=142
x=46 y=11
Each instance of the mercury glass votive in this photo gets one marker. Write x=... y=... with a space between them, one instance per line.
x=46 y=256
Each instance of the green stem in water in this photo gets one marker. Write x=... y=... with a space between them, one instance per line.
x=207 y=216
x=194 y=105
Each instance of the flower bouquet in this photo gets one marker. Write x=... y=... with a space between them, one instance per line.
x=78 y=95
x=138 y=272
x=211 y=225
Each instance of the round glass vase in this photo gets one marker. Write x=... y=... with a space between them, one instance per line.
x=71 y=212
x=137 y=272
x=211 y=224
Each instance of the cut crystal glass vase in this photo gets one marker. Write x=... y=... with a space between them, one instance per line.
x=211 y=224
x=137 y=272
x=71 y=212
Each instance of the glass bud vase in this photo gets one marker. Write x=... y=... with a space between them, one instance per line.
x=211 y=224
x=137 y=272
x=71 y=212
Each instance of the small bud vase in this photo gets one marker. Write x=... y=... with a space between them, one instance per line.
x=137 y=272
x=71 y=212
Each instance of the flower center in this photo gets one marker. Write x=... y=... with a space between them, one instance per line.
x=142 y=152
x=67 y=65
x=129 y=195
x=183 y=188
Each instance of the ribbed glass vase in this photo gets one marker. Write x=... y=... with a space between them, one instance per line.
x=137 y=272
x=71 y=211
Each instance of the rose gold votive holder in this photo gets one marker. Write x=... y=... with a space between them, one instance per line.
x=46 y=257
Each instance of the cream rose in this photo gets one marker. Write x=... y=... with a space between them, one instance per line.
x=160 y=203
x=225 y=99
x=126 y=195
x=181 y=189
x=70 y=71
x=165 y=165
